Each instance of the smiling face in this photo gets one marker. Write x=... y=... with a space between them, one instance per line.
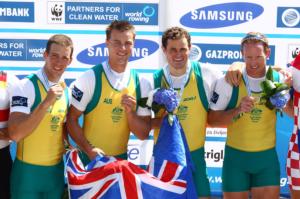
x=56 y=61
x=177 y=54
x=255 y=57
x=120 y=45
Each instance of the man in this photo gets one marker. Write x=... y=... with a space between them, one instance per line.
x=251 y=162
x=7 y=84
x=195 y=83
x=106 y=96
x=37 y=125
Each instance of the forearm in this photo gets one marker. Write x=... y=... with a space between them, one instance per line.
x=222 y=118
x=289 y=108
x=139 y=125
x=21 y=125
x=4 y=134
x=76 y=133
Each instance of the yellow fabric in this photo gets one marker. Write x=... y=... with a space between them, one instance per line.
x=255 y=131
x=191 y=114
x=44 y=146
x=106 y=125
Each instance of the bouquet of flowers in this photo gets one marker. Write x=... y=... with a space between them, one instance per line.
x=274 y=94
x=162 y=98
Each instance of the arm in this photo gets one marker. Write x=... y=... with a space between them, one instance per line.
x=289 y=108
x=20 y=125
x=234 y=73
x=76 y=132
x=139 y=125
x=4 y=134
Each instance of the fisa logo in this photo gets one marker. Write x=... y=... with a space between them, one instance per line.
x=56 y=12
x=288 y=17
x=141 y=14
x=221 y=15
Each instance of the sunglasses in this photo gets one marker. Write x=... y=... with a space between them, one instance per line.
x=256 y=37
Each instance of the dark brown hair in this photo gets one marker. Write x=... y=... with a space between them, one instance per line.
x=175 y=33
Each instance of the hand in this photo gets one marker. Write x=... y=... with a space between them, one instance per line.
x=246 y=105
x=234 y=73
x=94 y=153
x=129 y=103
x=54 y=93
x=287 y=77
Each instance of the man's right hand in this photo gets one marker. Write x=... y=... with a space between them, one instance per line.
x=246 y=105
x=94 y=153
x=54 y=93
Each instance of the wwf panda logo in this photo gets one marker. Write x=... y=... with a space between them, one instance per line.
x=57 y=10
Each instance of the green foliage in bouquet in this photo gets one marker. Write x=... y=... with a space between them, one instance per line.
x=274 y=94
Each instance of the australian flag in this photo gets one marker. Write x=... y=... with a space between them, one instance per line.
x=168 y=176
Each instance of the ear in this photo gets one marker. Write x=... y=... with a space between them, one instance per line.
x=164 y=50
x=45 y=55
x=268 y=53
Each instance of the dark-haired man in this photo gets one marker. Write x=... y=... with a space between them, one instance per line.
x=106 y=96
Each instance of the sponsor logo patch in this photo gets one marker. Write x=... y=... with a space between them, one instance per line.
x=19 y=101
x=77 y=94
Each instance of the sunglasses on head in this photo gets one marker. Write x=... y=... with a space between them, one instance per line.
x=257 y=37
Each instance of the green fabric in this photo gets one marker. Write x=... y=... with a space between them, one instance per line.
x=97 y=90
x=33 y=181
x=135 y=76
x=244 y=170
x=201 y=91
x=34 y=79
x=157 y=78
x=200 y=175
x=85 y=159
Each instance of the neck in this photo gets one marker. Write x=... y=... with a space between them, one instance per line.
x=120 y=68
x=50 y=77
x=177 y=71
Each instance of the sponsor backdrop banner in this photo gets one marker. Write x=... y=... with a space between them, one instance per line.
x=216 y=28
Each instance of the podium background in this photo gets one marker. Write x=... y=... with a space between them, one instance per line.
x=216 y=28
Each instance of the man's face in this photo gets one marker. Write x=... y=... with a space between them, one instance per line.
x=255 y=58
x=57 y=60
x=177 y=53
x=120 y=46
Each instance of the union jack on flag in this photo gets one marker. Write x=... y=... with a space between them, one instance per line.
x=107 y=177
x=169 y=173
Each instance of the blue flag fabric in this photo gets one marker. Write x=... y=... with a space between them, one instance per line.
x=171 y=146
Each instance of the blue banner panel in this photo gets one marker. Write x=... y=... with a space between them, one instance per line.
x=105 y=13
x=288 y=17
x=16 y=11
x=22 y=49
x=225 y=53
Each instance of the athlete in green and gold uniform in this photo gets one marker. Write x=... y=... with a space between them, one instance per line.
x=250 y=162
x=107 y=95
x=38 y=126
x=194 y=83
